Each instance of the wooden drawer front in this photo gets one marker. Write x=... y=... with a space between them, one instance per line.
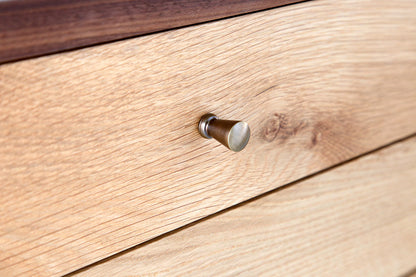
x=99 y=149
x=322 y=226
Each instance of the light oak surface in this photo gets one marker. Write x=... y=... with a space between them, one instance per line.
x=99 y=149
x=356 y=220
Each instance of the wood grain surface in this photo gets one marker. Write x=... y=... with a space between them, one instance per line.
x=356 y=220
x=99 y=148
x=34 y=27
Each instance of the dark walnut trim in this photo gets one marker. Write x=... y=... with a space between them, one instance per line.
x=36 y=27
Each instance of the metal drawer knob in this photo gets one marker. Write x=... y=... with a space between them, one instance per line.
x=233 y=134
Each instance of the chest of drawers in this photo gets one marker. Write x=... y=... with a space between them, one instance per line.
x=99 y=147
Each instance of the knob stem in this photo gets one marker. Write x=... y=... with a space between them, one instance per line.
x=232 y=134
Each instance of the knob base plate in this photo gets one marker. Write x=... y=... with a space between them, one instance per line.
x=203 y=124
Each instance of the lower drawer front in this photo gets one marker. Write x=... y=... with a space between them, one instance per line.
x=355 y=220
x=99 y=149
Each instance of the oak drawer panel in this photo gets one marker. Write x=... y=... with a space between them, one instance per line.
x=322 y=226
x=99 y=149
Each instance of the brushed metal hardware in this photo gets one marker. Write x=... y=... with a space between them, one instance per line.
x=233 y=134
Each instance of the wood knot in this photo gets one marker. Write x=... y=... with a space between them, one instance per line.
x=319 y=128
x=271 y=128
x=316 y=137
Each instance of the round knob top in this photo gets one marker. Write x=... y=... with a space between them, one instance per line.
x=238 y=136
x=233 y=134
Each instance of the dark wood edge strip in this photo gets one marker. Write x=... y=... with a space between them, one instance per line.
x=30 y=28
